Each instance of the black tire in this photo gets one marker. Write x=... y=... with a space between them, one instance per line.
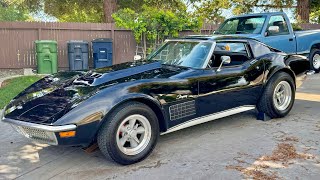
x=266 y=102
x=314 y=52
x=108 y=133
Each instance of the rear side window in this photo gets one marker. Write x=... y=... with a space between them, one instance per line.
x=231 y=47
x=259 y=49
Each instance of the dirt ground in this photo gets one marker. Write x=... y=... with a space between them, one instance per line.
x=236 y=147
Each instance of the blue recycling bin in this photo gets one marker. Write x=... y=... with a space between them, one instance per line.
x=102 y=52
x=78 y=55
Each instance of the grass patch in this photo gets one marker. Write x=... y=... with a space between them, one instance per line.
x=12 y=87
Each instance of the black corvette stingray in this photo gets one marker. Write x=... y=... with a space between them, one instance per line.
x=188 y=81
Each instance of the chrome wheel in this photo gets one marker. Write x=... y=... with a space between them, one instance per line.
x=282 y=95
x=133 y=134
x=316 y=61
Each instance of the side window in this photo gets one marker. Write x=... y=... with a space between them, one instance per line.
x=259 y=49
x=230 y=47
x=279 y=24
x=237 y=51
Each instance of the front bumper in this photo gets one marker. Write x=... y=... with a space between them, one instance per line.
x=42 y=133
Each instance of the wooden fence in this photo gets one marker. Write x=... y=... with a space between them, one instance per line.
x=17 y=48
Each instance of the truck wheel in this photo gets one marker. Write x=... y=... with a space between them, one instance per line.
x=278 y=97
x=314 y=58
x=130 y=133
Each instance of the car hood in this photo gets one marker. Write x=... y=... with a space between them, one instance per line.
x=50 y=98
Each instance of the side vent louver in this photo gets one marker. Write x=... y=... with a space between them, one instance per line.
x=182 y=110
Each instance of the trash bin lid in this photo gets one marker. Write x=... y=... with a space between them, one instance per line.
x=102 y=40
x=45 y=42
x=77 y=42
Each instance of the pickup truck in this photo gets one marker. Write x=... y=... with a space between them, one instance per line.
x=275 y=30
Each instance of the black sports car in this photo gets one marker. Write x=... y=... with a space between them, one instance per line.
x=185 y=82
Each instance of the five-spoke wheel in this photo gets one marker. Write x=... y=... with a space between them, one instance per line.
x=278 y=96
x=129 y=134
x=134 y=134
x=282 y=95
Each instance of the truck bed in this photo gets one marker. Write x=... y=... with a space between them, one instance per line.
x=305 y=39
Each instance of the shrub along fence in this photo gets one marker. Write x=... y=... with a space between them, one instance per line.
x=17 y=48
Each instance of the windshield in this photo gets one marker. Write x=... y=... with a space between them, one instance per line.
x=242 y=25
x=183 y=53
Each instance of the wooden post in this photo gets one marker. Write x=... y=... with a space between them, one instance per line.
x=113 y=44
x=39 y=33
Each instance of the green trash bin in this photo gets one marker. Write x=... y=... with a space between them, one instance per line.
x=47 y=58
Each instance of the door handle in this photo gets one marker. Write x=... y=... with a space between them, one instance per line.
x=290 y=39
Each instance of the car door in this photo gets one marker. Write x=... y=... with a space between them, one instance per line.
x=234 y=85
x=282 y=38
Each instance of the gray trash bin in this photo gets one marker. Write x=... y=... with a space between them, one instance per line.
x=78 y=55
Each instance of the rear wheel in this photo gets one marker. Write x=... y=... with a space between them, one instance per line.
x=130 y=133
x=314 y=58
x=278 y=97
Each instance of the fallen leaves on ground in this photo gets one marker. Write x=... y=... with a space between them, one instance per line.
x=285 y=153
x=255 y=172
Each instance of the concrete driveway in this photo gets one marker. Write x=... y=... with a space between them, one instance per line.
x=235 y=147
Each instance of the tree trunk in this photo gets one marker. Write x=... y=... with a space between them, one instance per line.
x=109 y=7
x=303 y=10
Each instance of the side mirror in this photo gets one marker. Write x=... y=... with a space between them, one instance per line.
x=224 y=60
x=273 y=30
x=137 y=57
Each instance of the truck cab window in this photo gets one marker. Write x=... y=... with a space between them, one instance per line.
x=278 y=26
x=242 y=25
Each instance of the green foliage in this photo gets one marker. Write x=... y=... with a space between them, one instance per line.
x=153 y=24
x=156 y=23
x=91 y=10
x=247 y=6
x=74 y=11
x=296 y=27
x=315 y=11
x=211 y=10
x=12 y=13
x=243 y=6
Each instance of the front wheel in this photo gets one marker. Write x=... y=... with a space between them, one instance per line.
x=314 y=58
x=278 y=97
x=130 y=133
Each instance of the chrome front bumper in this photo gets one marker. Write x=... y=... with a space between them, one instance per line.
x=38 y=132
